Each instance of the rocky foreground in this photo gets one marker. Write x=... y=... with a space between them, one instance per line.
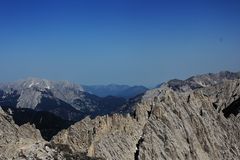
x=165 y=123
x=25 y=143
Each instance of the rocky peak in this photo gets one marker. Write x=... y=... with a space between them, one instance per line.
x=35 y=82
x=25 y=142
x=45 y=84
x=15 y=139
x=201 y=81
x=165 y=124
x=62 y=98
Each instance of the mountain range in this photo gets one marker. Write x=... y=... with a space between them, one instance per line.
x=124 y=91
x=173 y=121
x=62 y=98
x=196 y=118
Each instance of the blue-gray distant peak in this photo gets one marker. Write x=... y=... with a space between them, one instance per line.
x=124 y=91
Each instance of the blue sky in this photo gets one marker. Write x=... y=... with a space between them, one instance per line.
x=118 y=41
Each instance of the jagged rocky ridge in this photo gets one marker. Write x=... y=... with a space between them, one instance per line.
x=200 y=81
x=19 y=142
x=165 y=123
x=62 y=98
x=47 y=123
x=25 y=143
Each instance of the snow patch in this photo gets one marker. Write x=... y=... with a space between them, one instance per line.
x=31 y=85
x=202 y=84
x=47 y=87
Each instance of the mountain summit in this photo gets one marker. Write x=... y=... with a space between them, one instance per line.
x=64 y=99
x=200 y=81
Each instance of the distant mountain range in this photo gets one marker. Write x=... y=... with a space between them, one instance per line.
x=62 y=98
x=196 y=118
x=73 y=102
x=124 y=91
x=54 y=105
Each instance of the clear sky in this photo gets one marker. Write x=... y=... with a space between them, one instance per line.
x=118 y=41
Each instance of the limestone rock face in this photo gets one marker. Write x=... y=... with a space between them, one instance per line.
x=107 y=137
x=170 y=122
x=25 y=143
x=20 y=142
x=166 y=124
x=189 y=125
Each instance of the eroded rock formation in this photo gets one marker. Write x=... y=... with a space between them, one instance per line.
x=25 y=143
x=165 y=124
x=171 y=123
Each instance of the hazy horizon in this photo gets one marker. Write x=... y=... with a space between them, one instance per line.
x=107 y=84
x=121 y=42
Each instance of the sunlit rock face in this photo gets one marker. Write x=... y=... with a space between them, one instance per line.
x=20 y=141
x=25 y=143
x=192 y=125
x=200 y=123
x=164 y=123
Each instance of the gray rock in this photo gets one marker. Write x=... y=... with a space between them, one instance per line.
x=165 y=124
x=62 y=98
x=201 y=81
x=25 y=143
